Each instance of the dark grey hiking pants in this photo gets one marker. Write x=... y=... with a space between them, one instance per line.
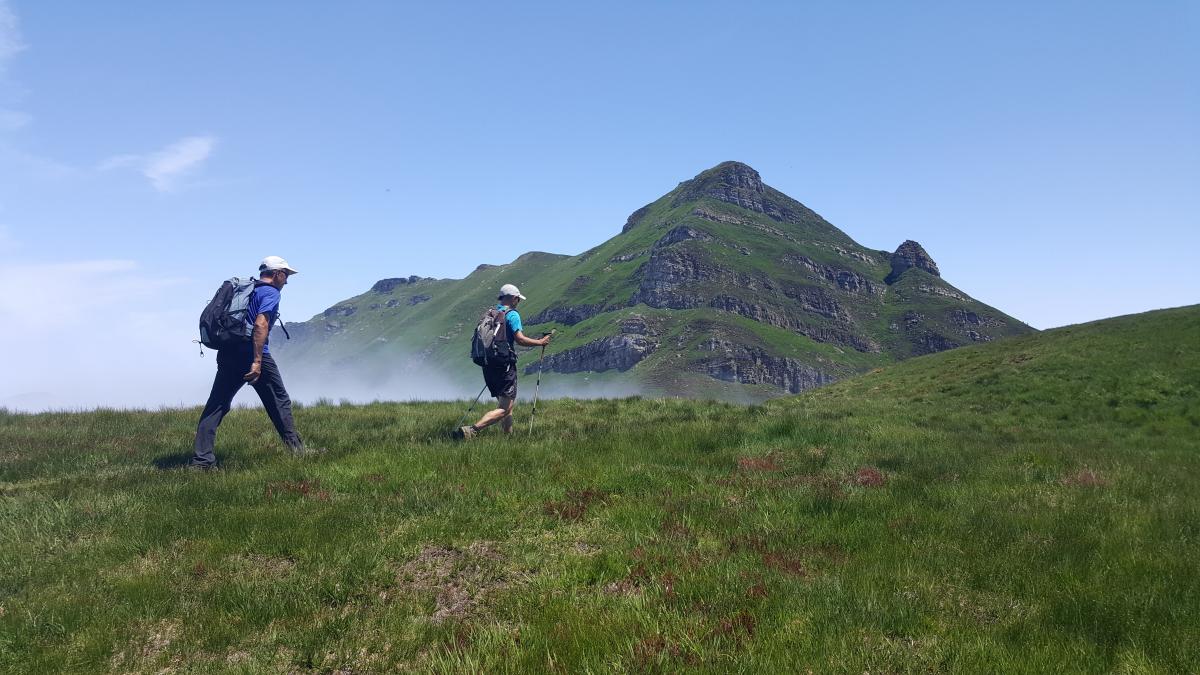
x=232 y=366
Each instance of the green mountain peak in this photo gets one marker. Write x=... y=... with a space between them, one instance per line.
x=722 y=287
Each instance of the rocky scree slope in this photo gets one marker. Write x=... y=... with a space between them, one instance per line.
x=722 y=287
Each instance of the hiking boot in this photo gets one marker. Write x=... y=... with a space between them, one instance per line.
x=465 y=433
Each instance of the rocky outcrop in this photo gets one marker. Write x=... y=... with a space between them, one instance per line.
x=930 y=342
x=738 y=184
x=751 y=365
x=708 y=214
x=635 y=218
x=929 y=289
x=788 y=321
x=626 y=257
x=418 y=299
x=681 y=233
x=846 y=280
x=340 y=310
x=389 y=285
x=619 y=352
x=910 y=255
x=674 y=279
x=567 y=315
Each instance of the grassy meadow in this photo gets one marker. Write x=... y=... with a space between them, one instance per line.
x=1029 y=505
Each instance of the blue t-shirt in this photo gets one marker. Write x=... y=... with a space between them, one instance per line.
x=514 y=322
x=264 y=300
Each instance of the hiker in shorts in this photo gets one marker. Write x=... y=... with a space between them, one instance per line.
x=251 y=363
x=501 y=378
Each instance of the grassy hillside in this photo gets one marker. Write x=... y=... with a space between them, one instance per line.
x=1023 y=506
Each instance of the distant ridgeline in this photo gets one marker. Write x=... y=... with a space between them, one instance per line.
x=723 y=287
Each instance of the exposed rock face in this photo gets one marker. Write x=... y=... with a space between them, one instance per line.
x=388 y=285
x=418 y=299
x=568 y=316
x=751 y=365
x=681 y=233
x=846 y=280
x=944 y=292
x=620 y=352
x=340 y=310
x=626 y=257
x=738 y=184
x=909 y=255
x=674 y=279
x=635 y=218
x=924 y=339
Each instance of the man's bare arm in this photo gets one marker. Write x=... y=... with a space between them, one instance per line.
x=527 y=341
x=262 y=328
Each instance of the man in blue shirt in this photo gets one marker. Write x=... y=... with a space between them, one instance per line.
x=501 y=379
x=251 y=363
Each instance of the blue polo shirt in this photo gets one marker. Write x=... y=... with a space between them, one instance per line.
x=514 y=322
x=264 y=300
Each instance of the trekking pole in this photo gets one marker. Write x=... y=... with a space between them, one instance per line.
x=538 y=388
x=464 y=417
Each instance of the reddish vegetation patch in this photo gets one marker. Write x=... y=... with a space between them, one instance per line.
x=767 y=463
x=785 y=563
x=200 y=570
x=757 y=591
x=675 y=529
x=574 y=504
x=739 y=627
x=647 y=652
x=305 y=488
x=869 y=476
x=1084 y=477
x=373 y=478
x=747 y=542
x=668 y=584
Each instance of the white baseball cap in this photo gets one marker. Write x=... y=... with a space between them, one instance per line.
x=509 y=289
x=274 y=262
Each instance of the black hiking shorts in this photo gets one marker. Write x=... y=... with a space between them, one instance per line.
x=501 y=381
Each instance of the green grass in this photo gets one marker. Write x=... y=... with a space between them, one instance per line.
x=1023 y=506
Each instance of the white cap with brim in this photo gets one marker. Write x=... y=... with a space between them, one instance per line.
x=510 y=290
x=274 y=262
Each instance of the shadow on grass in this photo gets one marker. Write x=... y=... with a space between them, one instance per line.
x=168 y=462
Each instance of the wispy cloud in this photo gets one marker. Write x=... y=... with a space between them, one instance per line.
x=165 y=168
x=10 y=35
x=11 y=120
x=177 y=159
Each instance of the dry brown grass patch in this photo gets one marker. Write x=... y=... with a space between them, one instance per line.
x=459 y=579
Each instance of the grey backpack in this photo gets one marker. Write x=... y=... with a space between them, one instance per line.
x=223 y=321
x=489 y=345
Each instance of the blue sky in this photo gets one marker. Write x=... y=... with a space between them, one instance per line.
x=1047 y=155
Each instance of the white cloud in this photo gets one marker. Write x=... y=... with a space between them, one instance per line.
x=165 y=167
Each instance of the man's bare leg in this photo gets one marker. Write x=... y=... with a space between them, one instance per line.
x=502 y=414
